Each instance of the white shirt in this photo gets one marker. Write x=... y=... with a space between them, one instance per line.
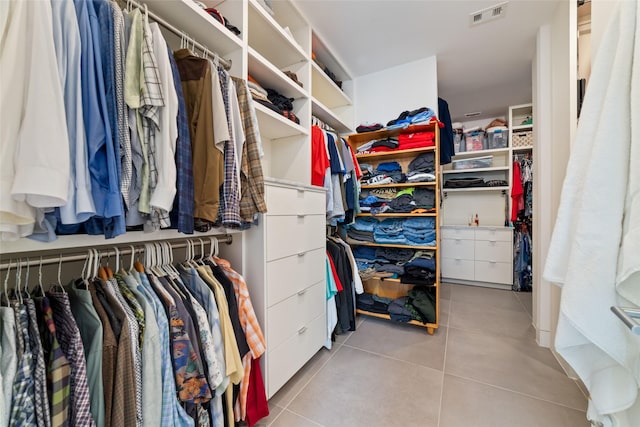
x=167 y=133
x=34 y=144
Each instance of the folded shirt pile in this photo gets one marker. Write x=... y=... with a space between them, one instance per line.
x=410 y=199
x=418 y=231
x=406 y=118
x=272 y=100
x=469 y=182
x=368 y=127
x=419 y=304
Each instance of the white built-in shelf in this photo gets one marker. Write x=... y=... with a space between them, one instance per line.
x=456 y=190
x=525 y=148
x=325 y=90
x=273 y=125
x=491 y=169
x=271 y=40
x=479 y=153
x=80 y=242
x=319 y=110
x=265 y=73
x=521 y=127
x=202 y=26
x=404 y=184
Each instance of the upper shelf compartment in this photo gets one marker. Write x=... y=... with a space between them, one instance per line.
x=201 y=26
x=267 y=34
x=326 y=91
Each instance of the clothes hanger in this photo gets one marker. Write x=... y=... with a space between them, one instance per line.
x=101 y=273
x=40 y=278
x=16 y=289
x=5 y=293
x=64 y=291
x=26 y=281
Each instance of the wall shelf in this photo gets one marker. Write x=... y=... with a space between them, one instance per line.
x=325 y=114
x=274 y=126
x=387 y=245
x=466 y=154
x=395 y=153
x=404 y=184
x=393 y=215
x=326 y=91
x=491 y=169
x=471 y=189
x=271 y=77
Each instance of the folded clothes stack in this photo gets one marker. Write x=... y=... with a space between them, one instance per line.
x=407 y=200
x=419 y=304
x=373 y=146
x=372 y=303
x=418 y=231
x=406 y=118
x=470 y=182
x=368 y=127
x=405 y=141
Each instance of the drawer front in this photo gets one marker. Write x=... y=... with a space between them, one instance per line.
x=457 y=268
x=487 y=250
x=287 y=317
x=494 y=272
x=284 y=361
x=457 y=232
x=288 y=276
x=293 y=234
x=294 y=201
x=494 y=234
x=458 y=249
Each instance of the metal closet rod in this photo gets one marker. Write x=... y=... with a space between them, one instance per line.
x=35 y=261
x=226 y=63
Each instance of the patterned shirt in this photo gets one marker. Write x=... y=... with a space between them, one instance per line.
x=172 y=413
x=43 y=415
x=230 y=203
x=22 y=407
x=71 y=343
x=182 y=213
x=58 y=371
x=252 y=331
x=251 y=177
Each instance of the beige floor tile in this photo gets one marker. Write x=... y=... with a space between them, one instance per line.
x=486 y=297
x=465 y=400
x=288 y=391
x=274 y=412
x=499 y=321
x=289 y=419
x=409 y=343
x=360 y=389
x=515 y=364
x=526 y=298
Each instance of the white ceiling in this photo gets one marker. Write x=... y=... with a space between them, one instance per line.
x=484 y=68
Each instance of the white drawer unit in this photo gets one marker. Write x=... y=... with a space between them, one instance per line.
x=286 y=271
x=477 y=255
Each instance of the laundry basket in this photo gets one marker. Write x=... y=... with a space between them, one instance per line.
x=522 y=139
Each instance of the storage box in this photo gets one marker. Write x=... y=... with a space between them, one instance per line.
x=474 y=141
x=458 y=146
x=522 y=139
x=497 y=139
x=476 y=163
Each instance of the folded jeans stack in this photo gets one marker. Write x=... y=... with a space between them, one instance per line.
x=390 y=231
x=420 y=231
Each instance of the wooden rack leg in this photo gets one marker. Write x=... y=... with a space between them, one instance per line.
x=430 y=330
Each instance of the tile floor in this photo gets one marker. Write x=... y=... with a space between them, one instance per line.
x=481 y=368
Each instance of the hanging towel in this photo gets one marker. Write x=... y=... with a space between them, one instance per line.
x=595 y=248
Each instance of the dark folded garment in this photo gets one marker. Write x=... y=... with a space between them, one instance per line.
x=395 y=254
x=464 y=183
x=412 y=280
x=279 y=100
x=388 y=268
x=398 y=311
x=368 y=303
x=424 y=198
x=389 y=143
x=423 y=299
x=368 y=128
x=365 y=253
x=425 y=263
x=403 y=203
x=425 y=162
x=362 y=236
x=268 y=105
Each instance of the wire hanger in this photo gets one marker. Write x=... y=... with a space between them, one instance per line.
x=40 y=277
x=16 y=290
x=5 y=292
x=26 y=281
x=64 y=291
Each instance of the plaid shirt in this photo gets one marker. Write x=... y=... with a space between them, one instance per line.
x=58 y=370
x=135 y=307
x=22 y=405
x=71 y=343
x=182 y=213
x=43 y=415
x=251 y=177
x=251 y=329
x=126 y=159
x=230 y=203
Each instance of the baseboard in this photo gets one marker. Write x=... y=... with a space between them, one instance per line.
x=543 y=338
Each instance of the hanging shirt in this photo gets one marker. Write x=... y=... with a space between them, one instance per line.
x=208 y=166
x=8 y=360
x=151 y=358
x=182 y=214
x=43 y=415
x=109 y=355
x=32 y=174
x=70 y=340
x=58 y=368
x=23 y=403
x=319 y=157
x=66 y=36
x=172 y=414
x=252 y=181
x=91 y=332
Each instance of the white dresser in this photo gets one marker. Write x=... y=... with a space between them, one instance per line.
x=285 y=270
x=477 y=255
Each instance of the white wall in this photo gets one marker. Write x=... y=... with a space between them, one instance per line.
x=555 y=109
x=382 y=96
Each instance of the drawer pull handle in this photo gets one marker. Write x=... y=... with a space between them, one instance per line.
x=302 y=253
x=492 y=241
x=300 y=215
x=302 y=292
x=302 y=330
x=493 y=262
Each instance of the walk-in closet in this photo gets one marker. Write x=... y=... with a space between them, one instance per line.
x=277 y=213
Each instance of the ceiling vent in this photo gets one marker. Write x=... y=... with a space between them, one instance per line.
x=474 y=114
x=488 y=14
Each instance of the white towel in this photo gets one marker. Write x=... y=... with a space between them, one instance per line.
x=595 y=248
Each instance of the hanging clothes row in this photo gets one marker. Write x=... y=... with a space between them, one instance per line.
x=334 y=167
x=106 y=129
x=343 y=283
x=521 y=217
x=154 y=344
